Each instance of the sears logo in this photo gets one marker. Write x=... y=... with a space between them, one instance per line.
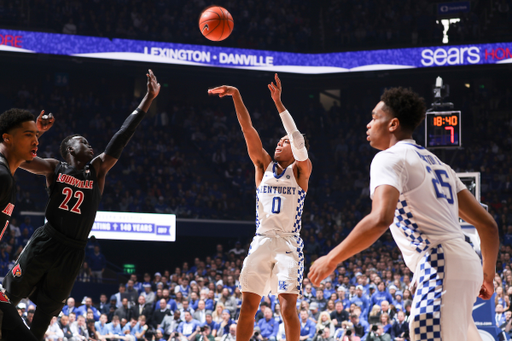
x=452 y=56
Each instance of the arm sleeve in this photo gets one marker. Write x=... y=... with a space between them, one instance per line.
x=387 y=169
x=118 y=142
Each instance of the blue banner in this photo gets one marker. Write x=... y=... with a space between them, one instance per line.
x=134 y=226
x=447 y=8
x=197 y=55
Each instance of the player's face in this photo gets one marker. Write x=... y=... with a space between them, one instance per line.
x=23 y=140
x=81 y=147
x=283 y=150
x=378 y=133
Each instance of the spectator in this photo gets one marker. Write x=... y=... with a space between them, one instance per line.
x=223 y=325
x=65 y=328
x=200 y=313
x=160 y=313
x=103 y=305
x=188 y=326
x=82 y=310
x=170 y=324
x=320 y=301
x=323 y=335
x=124 y=311
x=79 y=329
x=100 y=326
x=54 y=332
x=361 y=300
x=386 y=323
x=400 y=329
x=374 y=315
x=97 y=264
x=69 y=307
x=377 y=334
x=385 y=308
x=228 y=301
x=217 y=314
x=114 y=330
x=381 y=295
x=210 y=322
x=324 y=321
x=91 y=330
x=231 y=336
x=149 y=295
x=268 y=326
x=131 y=292
x=307 y=327
x=142 y=308
x=140 y=328
x=339 y=315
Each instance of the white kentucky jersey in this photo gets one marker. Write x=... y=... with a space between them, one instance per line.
x=279 y=202
x=427 y=211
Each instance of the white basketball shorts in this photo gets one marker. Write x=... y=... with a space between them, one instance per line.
x=449 y=277
x=275 y=264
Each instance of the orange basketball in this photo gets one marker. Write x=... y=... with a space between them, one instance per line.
x=216 y=23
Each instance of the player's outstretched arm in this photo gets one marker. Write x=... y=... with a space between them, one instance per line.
x=103 y=162
x=366 y=232
x=472 y=212
x=299 y=150
x=258 y=155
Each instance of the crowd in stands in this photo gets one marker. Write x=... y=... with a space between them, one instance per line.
x=298 y=26
x=368 y=297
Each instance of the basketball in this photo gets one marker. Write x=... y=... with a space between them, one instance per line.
x=216 y=23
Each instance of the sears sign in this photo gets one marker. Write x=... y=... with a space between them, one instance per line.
x=450 y=56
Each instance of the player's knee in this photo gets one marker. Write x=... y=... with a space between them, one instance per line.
x=288 y=311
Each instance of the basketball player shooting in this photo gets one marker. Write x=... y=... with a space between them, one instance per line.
x=419 y=198
x=49 y=264
x=275 y=261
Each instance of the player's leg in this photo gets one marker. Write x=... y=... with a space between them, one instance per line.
x=463 y=279
x=245 y=326
x=254 y=282
x=55 y=287
x=28 y=270
x=287 y=278
x=13 y=327
x=291 y=320
x=448 y=281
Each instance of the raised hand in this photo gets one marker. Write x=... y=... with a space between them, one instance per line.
x=224 y=90
x=276 y=89
x=44 y=122
x=153 y=85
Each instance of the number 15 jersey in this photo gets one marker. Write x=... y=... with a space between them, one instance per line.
x=74 y=200
x=427 y=212
x=279 y=202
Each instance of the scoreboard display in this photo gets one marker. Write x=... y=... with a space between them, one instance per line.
x=443 y=129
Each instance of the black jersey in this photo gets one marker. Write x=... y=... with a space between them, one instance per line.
x=74 y=199
x=7 y=194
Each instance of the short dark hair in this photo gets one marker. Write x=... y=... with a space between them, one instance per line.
x=64 y=146
x=406 y=105
x=13 y=118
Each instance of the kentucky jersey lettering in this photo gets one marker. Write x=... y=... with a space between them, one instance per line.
x=279 y=201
